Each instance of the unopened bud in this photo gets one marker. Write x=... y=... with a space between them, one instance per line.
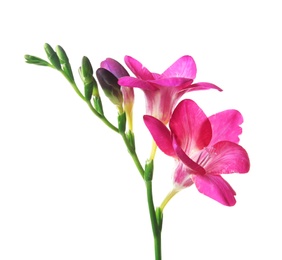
x=35 y=60
x=52 y=56
x=111 y=88
x=86 y=68
x=64 y=60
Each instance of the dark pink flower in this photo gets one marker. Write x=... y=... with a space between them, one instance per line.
x=205 y=147
x=162 y=91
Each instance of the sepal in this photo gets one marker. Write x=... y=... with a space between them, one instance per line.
x=122 y=122
x=149 y=169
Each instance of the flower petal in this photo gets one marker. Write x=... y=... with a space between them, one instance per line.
x=216 y=188
x=137 y=83
x=182 y=177
x=190 y=126
x=184 y=67
x=226 y=126
x=138 y=69
x=115 y=67
x=172 y=82
x=160 y=134
x=193 y=166
x=203 y=86
x=227 y=157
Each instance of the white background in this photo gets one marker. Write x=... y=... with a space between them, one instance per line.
x=69 y=190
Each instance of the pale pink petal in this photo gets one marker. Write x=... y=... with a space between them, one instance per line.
x=160 y=134
x=190 y=126
x=216 y=188
x=184 y=67
x=182 y=177
x=226 y=126
x=115 y=67
x=138 y=69
x=135 y=83
x=204 y=86
x=227 y=157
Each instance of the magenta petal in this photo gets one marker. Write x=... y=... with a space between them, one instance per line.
x=137 y=83
x=115 y=67
x=226 y=126
x=196 y=168
x=203 y=86
x=190 y=126
x=216 y=188
x=184 y=67
x=138 y=69
x=160 y=134
x=227 y=157
x=172 y=82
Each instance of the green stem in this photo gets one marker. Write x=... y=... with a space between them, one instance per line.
x=156 y=226
x=102 y=117
x=133 y=154
x=105 y=120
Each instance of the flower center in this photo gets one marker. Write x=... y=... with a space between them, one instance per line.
x=205 y=155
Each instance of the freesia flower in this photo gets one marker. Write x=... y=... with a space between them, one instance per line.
x=162 y=91
x=128 y=94
x=204 y=147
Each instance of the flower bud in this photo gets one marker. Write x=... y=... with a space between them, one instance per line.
x=64 y=60
x=109 y=84
x=35 y=60
x=86 y=68
x=128 y=93
x=90 y=84
x=52 y=56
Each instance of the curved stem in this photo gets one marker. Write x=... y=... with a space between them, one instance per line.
x=104 y=119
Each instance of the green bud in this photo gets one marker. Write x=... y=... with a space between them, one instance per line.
x=52 y=56
x=110 y=86
x=149 y=169
x=86 y=68
x=35 y=60
x=88 y=90
x=90 y=84
x=64 y=60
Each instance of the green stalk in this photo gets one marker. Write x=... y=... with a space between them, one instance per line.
x=156 y=228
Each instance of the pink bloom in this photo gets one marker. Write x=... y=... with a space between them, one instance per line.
x=162 y=91
x=205 y=147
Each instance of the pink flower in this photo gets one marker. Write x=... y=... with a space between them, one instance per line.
x=128 y=94
x=162 y=91
x=205 y=147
